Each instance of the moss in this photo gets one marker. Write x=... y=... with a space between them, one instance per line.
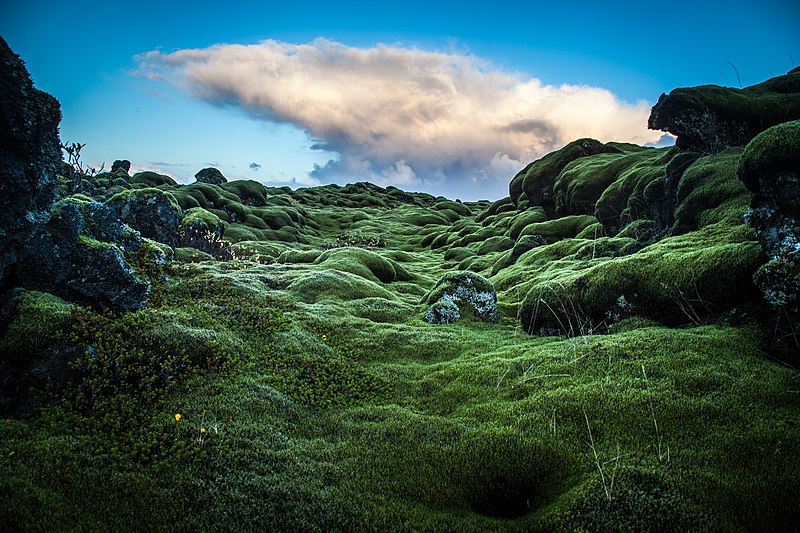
x=359 y=261
x=38 y=320
x=560 y=228
x=538 y=178
x=775 y=150
x=335 y=285
x=457 y=207
x=530 y=216
x=624 y=200
x=380 y=310
x=298 y=256
x=249 y=192
x=143 y=195
x=191 y=255
x=709 y=192
x=679 y=280
x=198 y=215
x=151 y=179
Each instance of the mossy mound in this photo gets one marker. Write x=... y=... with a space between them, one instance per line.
x=335 y=285
x=675 y=282
x=535 y=181
x=364 y=263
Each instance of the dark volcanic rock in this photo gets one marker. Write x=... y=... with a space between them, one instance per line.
x=536 y=180
x=210 y=175
x=149 y=211
x=122 y=166
x=30 y=155
x=79 y=255
x=770 y=169
x=710 y=118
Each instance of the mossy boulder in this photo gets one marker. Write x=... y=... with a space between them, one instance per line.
x=211 y=176
x=770 y=169
x=335 y=285
x=361 y=262
x=152 y=212
x=536 y=180
x=710 y=118
x=148 y=178
x=66 y=258
x=471 y=293
x=690 y=279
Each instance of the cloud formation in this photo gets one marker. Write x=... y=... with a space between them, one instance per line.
x=404 y=116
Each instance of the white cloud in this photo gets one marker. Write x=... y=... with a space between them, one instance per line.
x=402 y=116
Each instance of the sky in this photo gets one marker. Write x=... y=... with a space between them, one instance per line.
x=446 y=98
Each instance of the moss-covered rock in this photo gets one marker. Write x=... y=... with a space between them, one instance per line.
x=770 y=168
x=335 y=285
x=470 y=292
x=711 y=118
x=148 y=178
x=361 y=262
x=210 y=175
x=680 y=280
x=536 y=180
x=152 y=212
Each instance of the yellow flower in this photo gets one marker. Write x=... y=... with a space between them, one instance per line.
x=202 y=430
x=177 y=417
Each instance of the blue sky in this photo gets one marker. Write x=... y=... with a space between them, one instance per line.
x=447 y=98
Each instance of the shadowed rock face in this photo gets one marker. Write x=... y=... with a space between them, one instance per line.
x=30 y=153
x=710 y=118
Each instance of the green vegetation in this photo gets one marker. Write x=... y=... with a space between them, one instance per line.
x=362 y=359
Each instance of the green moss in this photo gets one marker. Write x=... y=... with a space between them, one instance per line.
x=560 y=228
x=499 y=243
x=380 y=310
x=530 y=216
x=249 y=192
x=191 y=255
x=143 y=195
x=39 y=318
x=770 y=152
x=709 y=191
x=680 y=280
x=335 y=285
x=298 y=256
x=364 y=263
x=151 y=179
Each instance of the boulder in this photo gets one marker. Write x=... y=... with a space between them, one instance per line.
x=710 y=118
x=211 y=176
x=30 y=156
x=80 y=255
x=770 y=169
x=469 y=292
x=537 y=179
x=121 y=166
x=150 y=211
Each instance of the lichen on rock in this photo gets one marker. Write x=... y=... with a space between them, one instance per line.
x=471 y=293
